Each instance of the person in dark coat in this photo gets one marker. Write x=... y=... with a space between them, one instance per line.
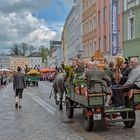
x=110 y=72
x=125 y=72
x=119 y=95
x=18 y=85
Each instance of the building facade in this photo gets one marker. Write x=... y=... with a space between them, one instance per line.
x=20 y=61
x=131 y=28
x=64 y=44
x=70 y=36
x=89 y=22
x=32 y=61
x=97 y=19
x=55 y=53
x=105 y=18
x=4 y=62
x=78 y=29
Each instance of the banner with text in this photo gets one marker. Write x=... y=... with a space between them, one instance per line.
x=114 y=28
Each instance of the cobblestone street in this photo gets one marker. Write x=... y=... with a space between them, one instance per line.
x=40 y=119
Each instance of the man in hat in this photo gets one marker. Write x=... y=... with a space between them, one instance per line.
x=133 y=81
x=118 y=95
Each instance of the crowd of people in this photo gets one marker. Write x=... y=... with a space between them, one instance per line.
x=114 y=80
x=5 y=78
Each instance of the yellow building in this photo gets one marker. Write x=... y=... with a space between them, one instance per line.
x=20 y=61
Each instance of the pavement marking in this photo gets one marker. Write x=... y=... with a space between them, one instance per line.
x=44 y=104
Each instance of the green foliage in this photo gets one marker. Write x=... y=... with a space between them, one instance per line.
x=44 y=53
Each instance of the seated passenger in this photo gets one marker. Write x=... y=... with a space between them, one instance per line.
x=98 y=81
x=110 y=72
x=133 y=81
x=69 y=69
x=79 y=69
x=125 y=72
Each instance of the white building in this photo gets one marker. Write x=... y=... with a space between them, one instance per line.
x=4 y=62
x=56 y=53
x=78 y=27
x=70 y=21
x=34 y=60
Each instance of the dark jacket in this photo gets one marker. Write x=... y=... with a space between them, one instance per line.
x=110 y=73
x=19 y=81
x=125 y=73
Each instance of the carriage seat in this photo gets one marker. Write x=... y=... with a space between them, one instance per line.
x=136 y=91
x=96 y=94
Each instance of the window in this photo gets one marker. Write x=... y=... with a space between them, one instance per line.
x=131 y=28
x=119 y=9
x=90 y=48
x=105 y=43
x=90 y=25
x=131 y=3
x=104 y=14
x=119 y=42
x=99 y=17
x=95 y=47
x=94 y=22
x=99 y=43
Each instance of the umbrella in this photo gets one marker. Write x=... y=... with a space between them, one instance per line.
x=6 y=70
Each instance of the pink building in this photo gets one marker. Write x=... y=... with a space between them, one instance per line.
x=104 y=27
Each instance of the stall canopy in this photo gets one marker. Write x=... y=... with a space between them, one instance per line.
x=6 y=70
x=45 y=70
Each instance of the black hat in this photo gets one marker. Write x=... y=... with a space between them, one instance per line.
x=126 y=61
x=18 y=68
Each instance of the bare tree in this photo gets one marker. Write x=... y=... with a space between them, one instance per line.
x=24 y=48
x=31 y=49
x=15 y=50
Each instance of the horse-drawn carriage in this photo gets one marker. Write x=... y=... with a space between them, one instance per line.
x=32 y=77
x=94 y=110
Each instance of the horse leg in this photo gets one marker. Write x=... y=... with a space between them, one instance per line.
x=61 y=99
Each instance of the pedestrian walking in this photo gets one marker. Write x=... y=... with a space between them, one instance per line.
x=18 y=85
x=1 y=80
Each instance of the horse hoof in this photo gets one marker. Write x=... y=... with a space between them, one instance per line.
x=57 y=102
x=60 y=107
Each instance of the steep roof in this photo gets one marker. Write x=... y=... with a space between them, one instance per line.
x=35 y=54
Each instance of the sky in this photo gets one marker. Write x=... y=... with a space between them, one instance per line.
x=34 y=22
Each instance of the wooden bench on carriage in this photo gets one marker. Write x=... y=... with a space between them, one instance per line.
x=94 y=110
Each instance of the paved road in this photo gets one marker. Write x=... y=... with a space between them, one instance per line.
x=40 y=119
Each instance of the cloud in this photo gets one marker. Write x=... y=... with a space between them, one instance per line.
x=7 y=6
x=18 y=24
x=24 y=27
